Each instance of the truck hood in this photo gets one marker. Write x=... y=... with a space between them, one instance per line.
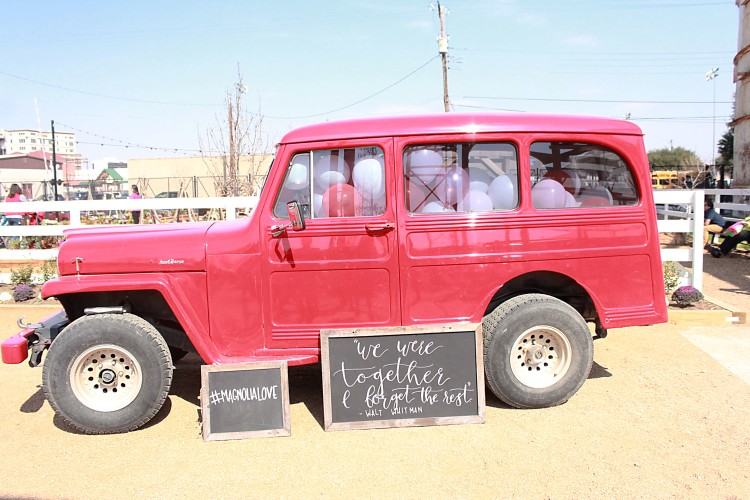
x=134 y=249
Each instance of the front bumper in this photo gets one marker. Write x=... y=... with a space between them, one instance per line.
x=15 y=350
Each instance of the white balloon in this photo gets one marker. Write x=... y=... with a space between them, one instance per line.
x=425 y=164
x=329 y=172
x=435 y=207
x=570 y=200
x=298 y=177
x=503 y=192
x=548 y=193
x=368 y=176
x=477 y=201
x=318 y=205
x=479 y=180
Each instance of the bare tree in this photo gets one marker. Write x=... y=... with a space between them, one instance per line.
x=234 y=151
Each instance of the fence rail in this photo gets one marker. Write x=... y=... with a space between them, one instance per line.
x=678 y=211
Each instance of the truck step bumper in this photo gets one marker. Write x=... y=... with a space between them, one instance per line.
x=16 y=349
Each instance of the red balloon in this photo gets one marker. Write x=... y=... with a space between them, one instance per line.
x=340 y=200
x=595 y=201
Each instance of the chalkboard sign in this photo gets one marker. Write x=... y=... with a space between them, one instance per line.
x=245 y=400
x=402 y=376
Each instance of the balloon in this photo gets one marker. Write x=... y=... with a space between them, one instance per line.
x=340 y=200
x=418 y=196
x=298 y=177
x=479 y=180
x=548 y=193
x=567 y=177
x=594 y=201
x=425 y=164
x=329 y=170
x=570 y=200
x=453 y=186
x=477 y=201
x=374 y=206
x=435 y=207
x=598 y=192
x=318 y=205
x=503 y=192
x=369 y=178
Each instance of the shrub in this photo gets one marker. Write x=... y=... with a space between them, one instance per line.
x=48 y=270
x=686 y=295
x=671 y=276
x=21 y=275
x=23 y=293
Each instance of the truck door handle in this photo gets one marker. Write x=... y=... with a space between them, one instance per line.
x=379 y=226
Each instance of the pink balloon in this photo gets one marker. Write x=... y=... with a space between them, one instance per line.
x=418 y=196
x=340 y=200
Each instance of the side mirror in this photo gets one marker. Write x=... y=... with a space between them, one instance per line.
x=296 y=218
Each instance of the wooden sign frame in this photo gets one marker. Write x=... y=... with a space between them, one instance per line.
x=478 y=360
x=207 y=393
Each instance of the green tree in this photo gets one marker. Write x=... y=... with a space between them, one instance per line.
x=726 y=150
x=673 y=159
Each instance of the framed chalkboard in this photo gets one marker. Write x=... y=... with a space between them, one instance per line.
x=245 y=400
x=402 y=376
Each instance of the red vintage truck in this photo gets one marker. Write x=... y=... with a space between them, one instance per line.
x=541 y=227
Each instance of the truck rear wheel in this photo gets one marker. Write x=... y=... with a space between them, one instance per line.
x=538 y=351
x=107 y=373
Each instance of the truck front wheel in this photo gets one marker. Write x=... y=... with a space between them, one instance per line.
x=107 y=373
x=538 y=351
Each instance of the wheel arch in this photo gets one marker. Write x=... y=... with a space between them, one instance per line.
x=552 y=283
x=176 y=307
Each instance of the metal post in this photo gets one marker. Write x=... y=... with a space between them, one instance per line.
x=54 y=163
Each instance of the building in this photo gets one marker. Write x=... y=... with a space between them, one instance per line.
x=195 y=177
x=31 y=172
x=26 y=141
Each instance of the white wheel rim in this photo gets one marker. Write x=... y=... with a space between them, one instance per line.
x=540 y=356
x=106 y=378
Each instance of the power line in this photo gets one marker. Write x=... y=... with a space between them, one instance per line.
x=126 y=144
x=84 y=92
x=357 y=102
x=609 y=101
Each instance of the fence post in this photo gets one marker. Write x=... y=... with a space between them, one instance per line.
x=697 y=201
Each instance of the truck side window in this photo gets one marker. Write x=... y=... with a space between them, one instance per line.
x=335 y=183
x=574 y=174
x=464 y=177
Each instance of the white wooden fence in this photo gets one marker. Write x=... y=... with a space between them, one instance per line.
x=227 y=209
x=679 y=211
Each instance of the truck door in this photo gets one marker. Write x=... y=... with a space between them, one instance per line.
x=342 y=270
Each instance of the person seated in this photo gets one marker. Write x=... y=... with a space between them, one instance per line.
x=713 y=222
x=731 y=242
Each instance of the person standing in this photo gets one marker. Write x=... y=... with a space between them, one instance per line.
x=14 y=196
x=135 y=195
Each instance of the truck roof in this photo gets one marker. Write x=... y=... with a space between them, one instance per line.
x=451 y=123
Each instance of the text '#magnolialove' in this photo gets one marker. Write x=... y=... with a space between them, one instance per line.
x=243 y=394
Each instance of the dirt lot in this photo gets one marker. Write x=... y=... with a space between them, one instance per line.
x=658 y=417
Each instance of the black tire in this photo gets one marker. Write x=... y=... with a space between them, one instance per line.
x=107 y=373
x=538 y=351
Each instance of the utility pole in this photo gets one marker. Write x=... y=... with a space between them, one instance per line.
x=443 y=50
x=54 y=163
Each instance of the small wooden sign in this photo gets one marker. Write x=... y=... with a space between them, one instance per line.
x=245 y=400
x=403 y=376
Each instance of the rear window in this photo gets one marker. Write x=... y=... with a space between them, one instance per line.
x=463 y=177
x=576 y=174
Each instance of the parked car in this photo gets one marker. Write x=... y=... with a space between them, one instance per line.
x=363 y=224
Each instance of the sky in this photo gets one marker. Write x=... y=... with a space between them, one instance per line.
x=142 y=79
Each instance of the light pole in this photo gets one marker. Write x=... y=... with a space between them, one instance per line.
x=711 y=75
